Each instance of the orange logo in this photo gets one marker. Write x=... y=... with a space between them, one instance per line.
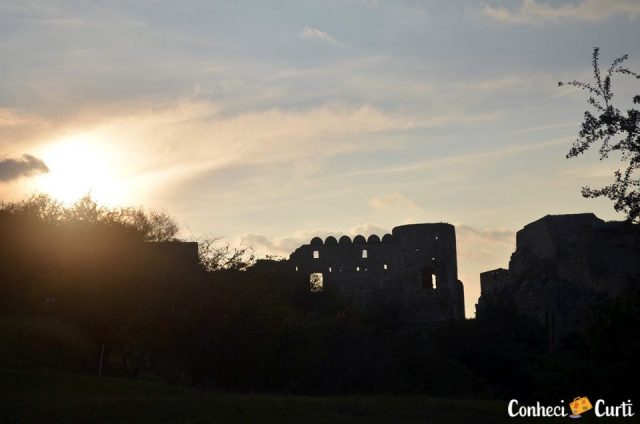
x=580 y=405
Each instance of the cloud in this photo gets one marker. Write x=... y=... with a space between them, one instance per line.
x=311 y=34
x=12 y=118
x=192 y=138
x=12 y=169
x=285 y=245
x=20 y=129
x=464 y=160
x=280 y=246
x=368 y=229
x=484 y=245
x=536 y=13
x=158 y=149
x=392 y=200
x=479 y=250
x=546 y=127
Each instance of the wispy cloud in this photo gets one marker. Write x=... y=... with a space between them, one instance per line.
x=285 y=245
x=483 y=244
x=20 y=130
x=536 y=12
x=546 y=127
x=479 y=250
x=13 y=118
x=280 y=246
x=314 y=34
x=185 y=140
x=27 y=165
x=217 y=140
x=393 y=200
x=462 y=160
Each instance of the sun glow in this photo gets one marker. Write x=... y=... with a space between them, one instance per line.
x=79 y=165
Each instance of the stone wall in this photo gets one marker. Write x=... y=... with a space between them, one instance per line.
x=493 y=280
x=562 y=265
x=415 y=267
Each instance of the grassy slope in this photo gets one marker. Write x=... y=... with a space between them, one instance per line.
x=33 y=353
x=30 y=397
x=54 y=397
x=44 y=344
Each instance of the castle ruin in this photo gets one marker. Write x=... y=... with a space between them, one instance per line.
x=414 y=268
x=564 y=265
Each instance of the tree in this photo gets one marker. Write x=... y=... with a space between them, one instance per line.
x=216 y=255
x=137 y=223
x=616 y=132
x=96 y=263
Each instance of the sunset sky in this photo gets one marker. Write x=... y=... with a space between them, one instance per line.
x=272 y=122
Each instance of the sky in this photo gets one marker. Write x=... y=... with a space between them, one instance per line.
x=267 y=123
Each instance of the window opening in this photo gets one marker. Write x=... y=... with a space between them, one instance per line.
x=316 y=283
x=429 y=279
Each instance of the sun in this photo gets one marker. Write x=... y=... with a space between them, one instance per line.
x=79 y=165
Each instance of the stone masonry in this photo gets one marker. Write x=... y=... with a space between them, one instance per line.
x=413 y=268
x=562 y=266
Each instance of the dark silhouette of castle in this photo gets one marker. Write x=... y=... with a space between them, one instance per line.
x=564 y=265
x=414 y=268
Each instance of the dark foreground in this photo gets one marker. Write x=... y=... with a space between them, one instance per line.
x=27 y=397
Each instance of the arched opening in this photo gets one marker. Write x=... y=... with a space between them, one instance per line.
x=316 y=283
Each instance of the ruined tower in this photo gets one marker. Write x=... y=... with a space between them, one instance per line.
x=413 y=268
x=563 y=265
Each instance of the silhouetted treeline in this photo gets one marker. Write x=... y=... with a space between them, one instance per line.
x=161 y=315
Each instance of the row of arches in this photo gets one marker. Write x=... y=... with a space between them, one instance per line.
x=331 y=241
